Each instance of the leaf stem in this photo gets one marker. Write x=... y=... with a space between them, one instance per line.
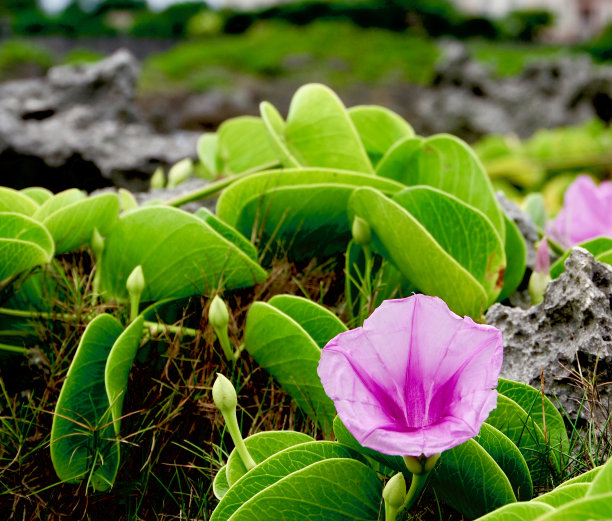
x=14 y=349
x=156 y=327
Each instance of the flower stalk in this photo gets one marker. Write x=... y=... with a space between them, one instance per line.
x=218 y=316
x=224 y=396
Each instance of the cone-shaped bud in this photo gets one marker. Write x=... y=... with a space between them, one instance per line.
x=180 y=172
x=218 y=316
x=135 y=285
x=541 y=274
x=394 y=492
x=362 y=234
x=224 y=395
x=158 y=179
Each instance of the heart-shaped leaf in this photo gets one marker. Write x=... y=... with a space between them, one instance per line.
x=468 y=479
x=244 y=145
x=180 y=256
x=298 y=207
x=275 y=468
x=402 y=239
x=379 y=129
x=281 y=346
x=24 y=244
x=447 y=163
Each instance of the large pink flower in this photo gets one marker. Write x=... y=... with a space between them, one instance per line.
x=415 y=379
x=586 y=212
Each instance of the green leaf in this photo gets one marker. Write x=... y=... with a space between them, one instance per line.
x=207 y=149
x=399 y=237
x=602 y=484
x=534 y=207
x=17 y=202
x=596 y=508
x=509 y=458
x=596 y=246
x=275 y=124
x=227 y=232
x=297 y=207
x=320 y=324
x=220 y=485
x=470 y=481
x=447 y=163
x=261 y=446
x=344 y=436
x=319 y=132
x=465 y=233
x=516 y=259
x=275 y=468
x=585 y=477
x=339 y=489
x=511 y=419
x=543 y=412
x=24 y=244
x=282 y=347
x=118 y=366
x=72 y=225
x=244 y=145
x=517 y=512
x=59 y=201
x=561 y=495
x=179 y=253
x=605 y=257
x=379 y=129
x=83 y=439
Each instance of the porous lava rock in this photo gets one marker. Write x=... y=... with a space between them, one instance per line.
x=568 y=334
x=78 y=127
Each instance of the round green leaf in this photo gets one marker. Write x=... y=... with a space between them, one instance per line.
x=595 y=508
x=562 y=495
x=517 y=512
x=220 y=485
x=179 y=253
x=59 y=201
x=602 y=484
x=17 y=202
x=38 y=194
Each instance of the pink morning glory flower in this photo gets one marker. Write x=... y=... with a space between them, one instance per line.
x=415 y=379
x=586 y=212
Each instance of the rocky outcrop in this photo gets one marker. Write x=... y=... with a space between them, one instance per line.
x=567 y=338
x=78 y=127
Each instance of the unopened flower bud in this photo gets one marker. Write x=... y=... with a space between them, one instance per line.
x=135 y=285
x=180 y=172
x=362 y=234
x=218 y=316
x=541 y=274
x=224 y=395
x=158 y=179
x=394 y=493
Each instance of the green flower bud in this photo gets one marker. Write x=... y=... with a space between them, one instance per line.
x=180 y=172
x=362 y=234
x=224 y=395
x=394 y=492
x=218 y=316
x=158 y=179
x=135 y=285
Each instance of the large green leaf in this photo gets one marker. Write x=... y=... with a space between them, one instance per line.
x=59 y=201
x=244 y=145
x=118 y=366
x=447 y=163
x=509 y=458
x=543 y=412
x=17 y=202
x=180 y=256
x=83 y=442
x=38 y=194
x=24 y=244
x=320 y=324
x=511 y=419
x=275 y=124
x=585 y=477
x=337 y=489
x=297 y=207
x=72 y=225
x=595 y=508
x=602 y=484
x=465 y=233
x=220 y=485
x=517 y=512
x=379 y=129
x=261 y=446
x=469 y=480
x=402 y=239
x=516 y=259
x=319 y=132
x=281 y=346
x=275 y=468
x=562 y=495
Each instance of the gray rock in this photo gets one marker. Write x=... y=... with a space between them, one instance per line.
x=78 y=127
x=568 y=334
